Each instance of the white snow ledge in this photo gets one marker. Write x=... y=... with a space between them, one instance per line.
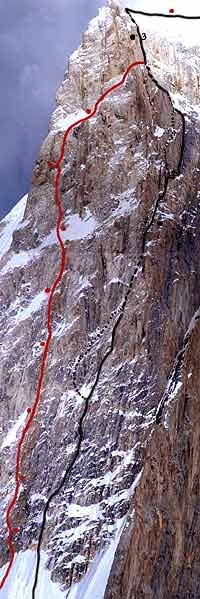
x=76 y=228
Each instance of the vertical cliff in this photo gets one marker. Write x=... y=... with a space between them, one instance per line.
x=158 y=553
x=97 y=461
x=160 y=549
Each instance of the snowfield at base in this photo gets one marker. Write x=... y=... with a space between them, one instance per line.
x=11 y=223
x=20 y=580
x=93 y=585
x=21 y=577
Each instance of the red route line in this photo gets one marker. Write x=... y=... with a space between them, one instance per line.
x=49 y=309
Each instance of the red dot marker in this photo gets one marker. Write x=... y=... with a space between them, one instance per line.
x=29 y=410
x=21 y=477
x=51 y=165
x=62 y=227
x=88 y=110
x=171 y=10
x=47 y=289
x=42 y=343
x=14 y=530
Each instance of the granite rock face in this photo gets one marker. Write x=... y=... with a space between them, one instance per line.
x=130 y=192
x=158 y=555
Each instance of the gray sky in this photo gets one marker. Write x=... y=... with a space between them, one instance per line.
x=36 y=36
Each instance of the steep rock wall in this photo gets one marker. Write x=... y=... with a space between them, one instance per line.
x=158 y=555
x=130 y=205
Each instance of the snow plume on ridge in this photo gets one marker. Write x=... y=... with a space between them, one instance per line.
x=10 y=224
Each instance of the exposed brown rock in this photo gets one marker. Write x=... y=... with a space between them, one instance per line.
x=161 y=556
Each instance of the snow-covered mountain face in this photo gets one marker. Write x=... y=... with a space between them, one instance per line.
x=129 y=189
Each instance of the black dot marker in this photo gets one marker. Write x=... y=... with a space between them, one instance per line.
x=132 y=36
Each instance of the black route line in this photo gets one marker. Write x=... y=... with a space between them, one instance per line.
x=174 y=374
x=175 y=371
x=160 y=87
x=161 y=195
x=120 y=309
x=160 y=14
x=94 y=340
x=175 y=173
x=86 y=399
x=79 y=434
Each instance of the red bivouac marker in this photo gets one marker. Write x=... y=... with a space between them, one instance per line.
x=15 y=530
x=58 y=279
x=42 y=343
x=88 y=110
x=47 y=289
x=171 y=10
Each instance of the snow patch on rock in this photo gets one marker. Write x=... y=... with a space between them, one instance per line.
x=13 y=433
x=159 y=131
x=33 y=306
x=76 y=228
x=10 y=224
x=64 y=123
